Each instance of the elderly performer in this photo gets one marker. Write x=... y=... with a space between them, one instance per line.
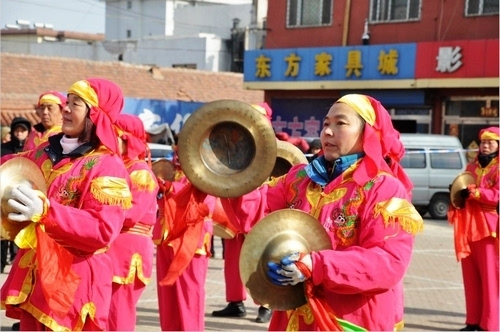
x=476 y=236
x=360 y=194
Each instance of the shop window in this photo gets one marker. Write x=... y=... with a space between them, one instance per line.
x=465 y=108
x=481 y=7
x=394 y=10
x=307 y=13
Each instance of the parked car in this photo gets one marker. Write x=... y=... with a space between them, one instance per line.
x=161 y=151
x=432 y=162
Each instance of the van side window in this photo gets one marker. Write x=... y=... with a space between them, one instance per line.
x=414 y=158
x=445 y=160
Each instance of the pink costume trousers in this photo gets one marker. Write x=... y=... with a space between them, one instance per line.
x=182 y=305
x=235 y=290
x=480 y=274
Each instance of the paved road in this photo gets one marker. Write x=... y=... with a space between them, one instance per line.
x=434 y=297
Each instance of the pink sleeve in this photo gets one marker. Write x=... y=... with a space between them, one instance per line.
x=378 y=261
x=245 y=211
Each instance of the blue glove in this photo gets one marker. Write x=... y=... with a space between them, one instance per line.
x=287 y=273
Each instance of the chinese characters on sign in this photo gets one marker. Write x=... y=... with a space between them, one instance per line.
x=263 y=66
x=489 y=112
x=311 y=126
x=323 y=61
x=448 y=59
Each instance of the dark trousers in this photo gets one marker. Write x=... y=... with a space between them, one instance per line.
x=7 y=247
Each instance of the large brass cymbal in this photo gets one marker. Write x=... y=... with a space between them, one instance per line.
x=164 y=169
x=13 y=173
x=460 y=182
x=279 y=233
x=227 y=148
x=288 y=155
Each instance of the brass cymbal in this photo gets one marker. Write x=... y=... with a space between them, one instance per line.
x=164 y=169
x=460 y=182
x=227 y=148
x=14 y=172
x=288 y=155
x=279 y=233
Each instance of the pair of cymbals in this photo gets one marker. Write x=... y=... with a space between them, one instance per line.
x=461 y=182
x=14 y=172
x=278 y=234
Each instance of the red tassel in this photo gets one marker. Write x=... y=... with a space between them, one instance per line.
x=323 y=314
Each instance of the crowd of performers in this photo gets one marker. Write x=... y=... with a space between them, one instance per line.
x=88 y=254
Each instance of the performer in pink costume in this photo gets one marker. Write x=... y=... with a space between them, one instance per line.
x=132 y=252
x=476 y=236
x=64 y=283
x=360 y=194
x=49 y=108
x=181 y=300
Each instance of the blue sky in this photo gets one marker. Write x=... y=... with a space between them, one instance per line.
x=71 y=15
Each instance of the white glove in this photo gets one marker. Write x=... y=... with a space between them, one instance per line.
x=27 y=202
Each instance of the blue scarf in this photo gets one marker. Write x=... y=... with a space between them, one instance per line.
x=317 y=170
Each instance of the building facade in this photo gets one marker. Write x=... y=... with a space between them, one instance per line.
x=432 y=64
x=207 y=35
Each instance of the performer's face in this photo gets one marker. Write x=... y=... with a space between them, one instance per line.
x=342 y=132
x=74 y=115
x=50 y=114
x=488 y=146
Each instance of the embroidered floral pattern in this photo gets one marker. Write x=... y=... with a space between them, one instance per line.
x=294 y=201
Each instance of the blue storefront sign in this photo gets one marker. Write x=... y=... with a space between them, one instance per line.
x=377 y=62
x=155 y=112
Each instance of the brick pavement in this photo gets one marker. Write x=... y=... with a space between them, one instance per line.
x=434 y=297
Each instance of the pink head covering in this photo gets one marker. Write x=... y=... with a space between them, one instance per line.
x=52 y=97
x=490 y=133
x=265 y=109
x=105 y=100
x=131 y=130
x=380 y=141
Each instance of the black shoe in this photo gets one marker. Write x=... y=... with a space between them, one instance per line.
x=16 y=326
x=233 y=309
x=264 y=315
x=470 y=327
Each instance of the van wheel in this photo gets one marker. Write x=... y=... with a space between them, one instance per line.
x=438 y=207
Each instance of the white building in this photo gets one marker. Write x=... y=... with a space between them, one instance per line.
x=205 y=35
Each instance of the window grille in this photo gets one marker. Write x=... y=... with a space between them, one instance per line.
x=481 y=7
x=394 y=10
x=307 y=13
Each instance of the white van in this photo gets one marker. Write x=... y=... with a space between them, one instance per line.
x=432 y=162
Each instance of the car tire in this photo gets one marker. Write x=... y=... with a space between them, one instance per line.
x=438 y=207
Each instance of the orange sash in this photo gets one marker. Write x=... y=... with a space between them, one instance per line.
x=469 y=224
x=59 y=282
x=184 y=213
